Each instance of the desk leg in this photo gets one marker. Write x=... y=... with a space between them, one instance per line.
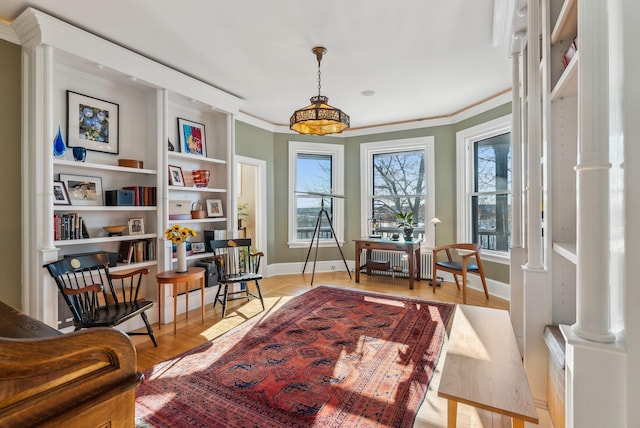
x=452 y=413
x=175 y=306
x=202 y=296
x=358 y=251
x=160 y=288
x=517 y=423
x=412 y=268
x=418 y=264
x=186 y=301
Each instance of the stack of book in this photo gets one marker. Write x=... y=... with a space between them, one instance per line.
x=69 y=226
x=144 y=196
x=136 y=251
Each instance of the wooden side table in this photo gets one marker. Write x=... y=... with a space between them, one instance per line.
x=175 y=278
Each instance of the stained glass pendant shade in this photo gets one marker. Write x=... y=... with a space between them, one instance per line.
x=319 y=118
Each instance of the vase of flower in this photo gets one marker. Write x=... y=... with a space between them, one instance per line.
x=178 y=236
x=181 y=255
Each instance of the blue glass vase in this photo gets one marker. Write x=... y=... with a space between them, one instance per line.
x=59 y=147
x=79 y=154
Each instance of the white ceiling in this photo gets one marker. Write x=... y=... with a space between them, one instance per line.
x=423 y=58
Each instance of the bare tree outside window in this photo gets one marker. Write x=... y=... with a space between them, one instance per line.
x=398 y=187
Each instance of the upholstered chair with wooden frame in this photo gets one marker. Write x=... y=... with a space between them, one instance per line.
x=459 y=264
x=98 y=297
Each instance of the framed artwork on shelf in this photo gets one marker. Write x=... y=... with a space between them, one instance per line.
x=192 y=137
x=83 y=189
x=92 y=123
x=214 y=208
x=197 y=247
x=175 y=176
x=60 y=195
x=136 y=226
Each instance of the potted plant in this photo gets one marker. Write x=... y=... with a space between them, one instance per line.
x=242 y=214
x=405 y=220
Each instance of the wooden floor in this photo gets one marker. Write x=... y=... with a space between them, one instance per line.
x=279 y=289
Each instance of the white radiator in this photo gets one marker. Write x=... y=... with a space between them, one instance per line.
x=397 y=258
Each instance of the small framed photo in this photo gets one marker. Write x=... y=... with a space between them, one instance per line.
x=214 y=208
x=92 y=123
x=83 y=189
x=197 y=247
x=175 y=176
x=60 y=195
x=192 y=137
x=136 y=226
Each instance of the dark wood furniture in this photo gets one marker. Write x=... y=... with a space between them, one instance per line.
x=88 y=288
x=460 y=265
x=48 y=379
x=175 y=278
x=483 y=367
x=237 y=265
x=411 y=248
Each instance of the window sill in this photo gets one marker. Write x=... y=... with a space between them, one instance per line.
x=321 y=244
x=496 y=257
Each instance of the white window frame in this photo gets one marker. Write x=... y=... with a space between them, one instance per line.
x=465 y=174
x=367 y=150
x=336 y=151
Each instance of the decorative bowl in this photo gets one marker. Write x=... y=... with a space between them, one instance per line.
x=114 y=229
x=201 y=177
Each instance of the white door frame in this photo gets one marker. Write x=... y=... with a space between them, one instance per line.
x=261 y=200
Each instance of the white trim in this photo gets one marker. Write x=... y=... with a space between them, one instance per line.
x=367 y=150
x=336 y=151
x=261 y=199
x=464 y=182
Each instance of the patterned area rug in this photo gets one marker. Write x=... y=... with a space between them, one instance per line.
x=331 y=357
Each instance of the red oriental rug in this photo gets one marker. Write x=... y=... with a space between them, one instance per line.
x=331 y=357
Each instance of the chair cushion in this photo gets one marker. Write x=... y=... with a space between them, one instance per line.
x=457 y=266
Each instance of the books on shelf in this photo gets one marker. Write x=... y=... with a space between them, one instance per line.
x=144 y=196
x=69 y=226
x=136 y=251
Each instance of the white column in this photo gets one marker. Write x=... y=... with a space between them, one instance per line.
x=592 y=179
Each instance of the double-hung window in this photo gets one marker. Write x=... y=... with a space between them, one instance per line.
x=316 y=171
x=398 y=177
x=484 y=166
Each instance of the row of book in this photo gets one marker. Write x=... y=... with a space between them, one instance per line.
x=143 y=196
x=136 y=251
x=69 y=226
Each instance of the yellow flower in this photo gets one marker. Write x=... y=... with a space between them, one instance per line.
x=178 y=234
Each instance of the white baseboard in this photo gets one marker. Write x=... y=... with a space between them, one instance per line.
x=496 y=288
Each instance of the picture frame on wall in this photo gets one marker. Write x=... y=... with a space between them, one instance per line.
x=214 y=208
x=175 y=176
x=136 y=226
x=60 y=194
x=192 y=137
x=92 y=123
x=83 y=189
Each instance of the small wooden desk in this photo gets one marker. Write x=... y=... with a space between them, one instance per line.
x=483 y=367
x=175 y=278
x=410 y=247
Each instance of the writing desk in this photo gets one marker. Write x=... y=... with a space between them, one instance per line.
x=411 y=248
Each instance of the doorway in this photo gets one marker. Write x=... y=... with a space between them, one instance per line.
x=251 y=180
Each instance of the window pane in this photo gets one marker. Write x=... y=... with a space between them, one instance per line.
x=313 y=174
x=385 y=210
x=492 y=161
x=491 y=221
x=398 y=173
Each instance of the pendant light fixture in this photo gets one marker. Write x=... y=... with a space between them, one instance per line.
x=319 y=118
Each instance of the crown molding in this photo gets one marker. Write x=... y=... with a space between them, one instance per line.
x=7 y=33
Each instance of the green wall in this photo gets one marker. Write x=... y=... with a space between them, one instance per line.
x=10 y=180
x=273 y=148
